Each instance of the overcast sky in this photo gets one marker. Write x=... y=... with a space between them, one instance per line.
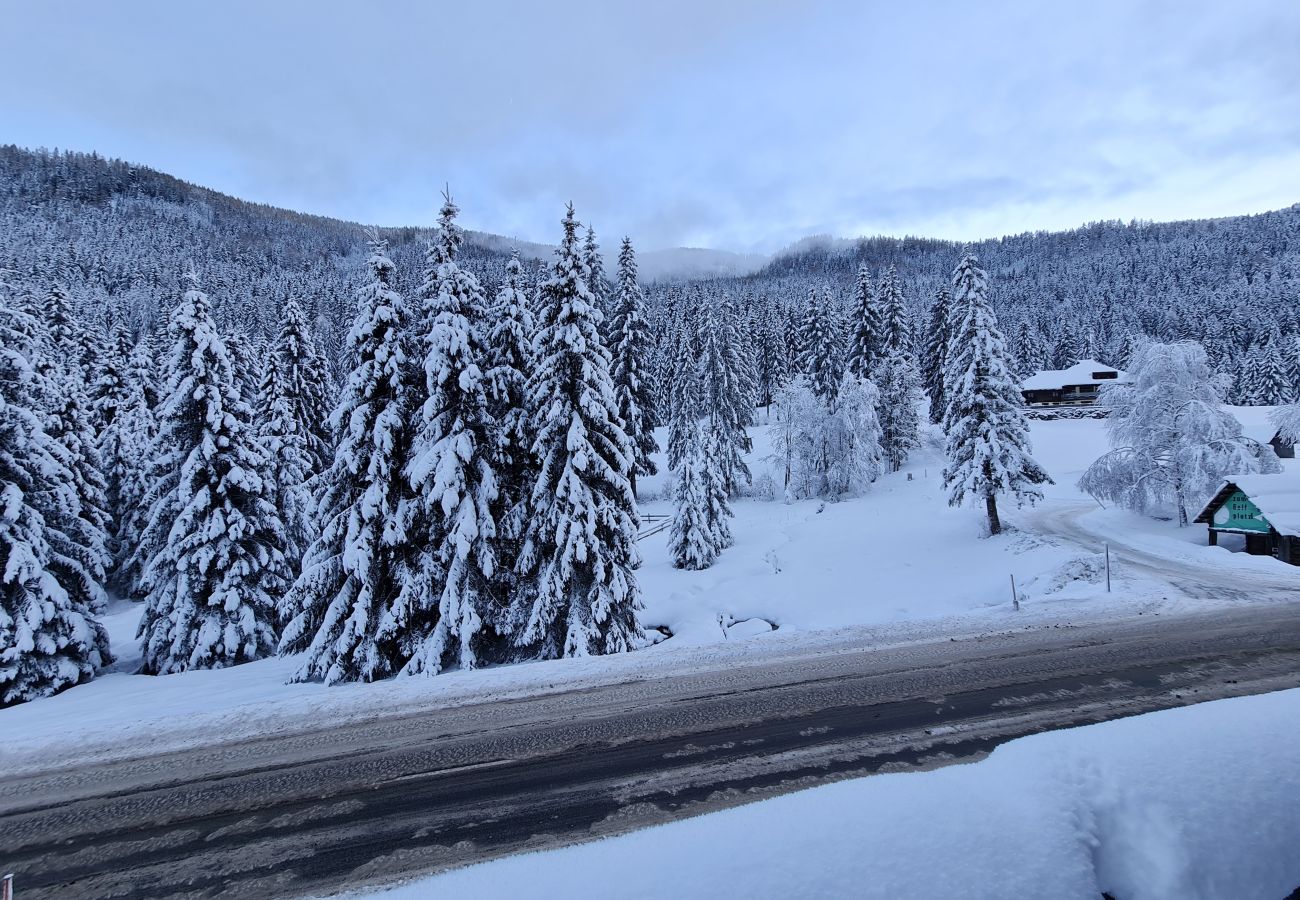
x=737 y=125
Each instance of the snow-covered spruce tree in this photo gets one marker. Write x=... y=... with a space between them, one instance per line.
x=821 y=355
x=292 y=424
x=1031 y=351
x=895 y=329
x=596 y=281
x=509 y=363
x=49 y=638
x=1271 y=381
x=1173 y=443
x=77 y=534
x=1068 y=348
x=987 y=437
x=355 y=569
x=444 y=615
x=630 y=369
x=305 y=384
x=214 y=539
x=110 y=388
x=867 y=336
x=896 y=377
x=124 y=451
x=692 y=537
x=937 y=336
x=79 y=540
x=771 y=352
x=898 y=399
x=580 y=547
x=727 y=392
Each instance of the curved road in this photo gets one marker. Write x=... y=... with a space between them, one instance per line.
x=345 y=806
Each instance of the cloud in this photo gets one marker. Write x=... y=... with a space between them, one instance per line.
x=720 y=124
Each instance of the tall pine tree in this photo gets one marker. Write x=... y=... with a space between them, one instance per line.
x=987 y=437
x=580 y=548
x=630 y=366
x=49 y=637
x=217 y=563
x=444 y=615
x=356 y=568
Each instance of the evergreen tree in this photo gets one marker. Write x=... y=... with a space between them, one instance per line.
x=895 y=331
x=443 y=615
x=355 y=569
x=596 y=282
x=771 y=352
x=937 y=338
x=49 y=637
x=987 y=435
x=217 y=561
x=1031 y=352
x=898 y=399
x=510 y=362
x=692 y=539
x=124 y=450
x=77 y=535
x=580 y=547
x=1068 y=348
x=630 y=367
x=110 y=389
x=866 y=339
x=820 y=360
x=727 y=386
x=896 y=377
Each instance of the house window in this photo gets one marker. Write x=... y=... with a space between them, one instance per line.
x=1102 y=376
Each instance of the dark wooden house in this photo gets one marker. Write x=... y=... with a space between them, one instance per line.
x=1076 y=386
x=1264 y=509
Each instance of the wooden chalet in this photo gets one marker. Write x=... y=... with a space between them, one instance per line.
x=1075 y=386
x=1265 y=509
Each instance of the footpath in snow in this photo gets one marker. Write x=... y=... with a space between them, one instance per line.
x=1199 y=803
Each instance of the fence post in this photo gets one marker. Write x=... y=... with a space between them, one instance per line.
x=7 y=887
x=1015 y=601
x=1108 y=568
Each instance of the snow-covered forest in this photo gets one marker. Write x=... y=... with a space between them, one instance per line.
x=402 y=450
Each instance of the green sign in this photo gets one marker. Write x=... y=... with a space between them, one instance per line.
x=1237 y=513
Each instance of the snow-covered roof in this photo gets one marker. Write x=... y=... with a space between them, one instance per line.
x=1079 y=373
x=1277 y=496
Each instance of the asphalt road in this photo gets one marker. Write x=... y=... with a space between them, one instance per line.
x=337 y=807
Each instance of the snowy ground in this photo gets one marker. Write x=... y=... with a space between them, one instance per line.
x=894 y=566
x=1067 y=814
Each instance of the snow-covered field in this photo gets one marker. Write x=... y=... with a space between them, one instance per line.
x=895 y=565
x=1067 y=814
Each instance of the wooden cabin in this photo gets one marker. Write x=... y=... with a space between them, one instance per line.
x=1264 y=509
x=1076 y=386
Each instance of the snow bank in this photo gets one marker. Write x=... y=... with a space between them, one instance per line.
x=1196 y=803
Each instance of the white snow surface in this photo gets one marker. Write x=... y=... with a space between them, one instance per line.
x=893 y=566
x=1067 y=814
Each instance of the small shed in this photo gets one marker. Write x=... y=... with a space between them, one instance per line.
x=1075 y=386
x=1263 y=508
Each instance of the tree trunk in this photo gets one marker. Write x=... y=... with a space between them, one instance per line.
x=632 y=478
x=991 y=506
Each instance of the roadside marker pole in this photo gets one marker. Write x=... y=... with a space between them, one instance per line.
x=1015 y=601
x=1108 y=568
x=7 y=888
